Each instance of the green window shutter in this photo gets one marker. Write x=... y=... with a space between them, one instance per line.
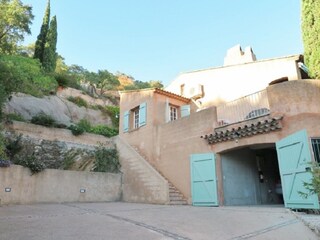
x=185 y=110
x=167 y=112
x=126 y=121
x=142 y=114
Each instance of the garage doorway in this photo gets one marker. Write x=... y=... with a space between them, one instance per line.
x=251 y=176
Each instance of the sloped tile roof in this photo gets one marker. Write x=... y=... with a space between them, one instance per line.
x=244 y=130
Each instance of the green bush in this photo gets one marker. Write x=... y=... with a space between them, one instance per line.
x=30 y=162
x=85 y=124
x=3 y=152
x=66 y=80
x=114 y=113
x=43 y=119
x=76 y=130
x=15 y=117
x=104 y=130
x=28 y=75
x=312 y=187
x=78 y=101
x=62 y=79
x=106 y=160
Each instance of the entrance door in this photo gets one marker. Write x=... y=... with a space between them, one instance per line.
x=203 y=180
x=294 y=162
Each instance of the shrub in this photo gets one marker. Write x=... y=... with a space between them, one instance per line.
x=104 y=130
x=78 y=101
x=313 y=187
x=15 y=117
x=3 y=152
x=65 y=80
x=76 y=130
x=43 y=119
x=106 y=160
x=61 y=79
x=30 y=162
x=85 y=124
x=114 y=113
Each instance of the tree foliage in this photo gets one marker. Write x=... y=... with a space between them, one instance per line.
x=41 y=39
x=142 y=85
x=7 y=83
x=106 y=81
x=15 y=20
x=50 y=55
x=23 y=74
x=310 y=33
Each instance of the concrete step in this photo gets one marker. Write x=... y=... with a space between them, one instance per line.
x=178 y=203
x=176 y=198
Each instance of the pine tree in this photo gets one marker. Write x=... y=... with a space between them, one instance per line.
x=49 y=54
x=310 y=34
x=41 y=39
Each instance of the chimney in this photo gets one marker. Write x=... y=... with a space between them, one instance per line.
x=235 y=56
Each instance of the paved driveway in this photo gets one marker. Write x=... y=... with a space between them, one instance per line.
x=128 y=221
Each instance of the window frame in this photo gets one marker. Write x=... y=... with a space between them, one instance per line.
x=135 y=117
x=173 y=112
x=315 y=146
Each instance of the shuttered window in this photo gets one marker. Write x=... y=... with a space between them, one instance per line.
x=126 y=121
x=135 y=118
x=142 y=114
x=185 y=110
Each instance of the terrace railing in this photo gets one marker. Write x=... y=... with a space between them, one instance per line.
x=245 y=108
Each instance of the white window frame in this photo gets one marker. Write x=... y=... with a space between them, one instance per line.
x=173 y=113
x=135 y=114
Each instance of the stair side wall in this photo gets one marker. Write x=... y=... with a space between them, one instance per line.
x=141 y=183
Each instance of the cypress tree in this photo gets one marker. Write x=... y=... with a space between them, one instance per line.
x=310 y=34
x=41 y=39
x=49 y=54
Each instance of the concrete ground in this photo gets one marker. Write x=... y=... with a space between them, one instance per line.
x=128 y=221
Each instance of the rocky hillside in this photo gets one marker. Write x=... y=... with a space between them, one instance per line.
x=60 y=107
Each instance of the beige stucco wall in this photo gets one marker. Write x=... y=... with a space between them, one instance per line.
x=176 y=141
x=173 y=143
x=297 y=102
x=145 y=138
x=56 y=186
x=223 y=84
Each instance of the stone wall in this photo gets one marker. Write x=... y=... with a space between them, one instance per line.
x=54 y=148
x=18 y=186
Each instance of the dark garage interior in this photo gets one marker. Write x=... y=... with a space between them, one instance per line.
x=251 y=176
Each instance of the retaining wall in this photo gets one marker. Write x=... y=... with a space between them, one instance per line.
x=18 y=186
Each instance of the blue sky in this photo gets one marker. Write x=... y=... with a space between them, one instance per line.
x=158 y=39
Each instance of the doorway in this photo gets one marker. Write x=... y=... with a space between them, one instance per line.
x=251 y=176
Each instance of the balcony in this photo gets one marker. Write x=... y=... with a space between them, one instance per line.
x=242 y=109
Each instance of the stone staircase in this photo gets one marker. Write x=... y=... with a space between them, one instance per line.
x=175 y=196
x=142 y=182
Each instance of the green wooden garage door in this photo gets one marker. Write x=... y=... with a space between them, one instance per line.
x=294 y=161
x=203 y=180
